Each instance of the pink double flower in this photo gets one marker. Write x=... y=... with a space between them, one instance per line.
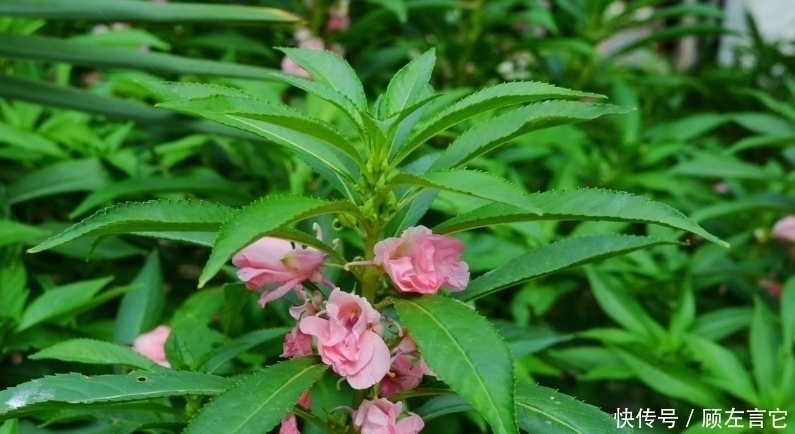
x=380 y=416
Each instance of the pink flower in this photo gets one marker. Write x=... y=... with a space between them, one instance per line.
x=310 y=307
x=290 y=423
x=153 y=345
x=772 y=287
x=346 y=340
x=784 y=229
x=338 y=18
x=276 y=261
x=406 y=370
x=380 y=417
x=297 y=344
x=421 y=261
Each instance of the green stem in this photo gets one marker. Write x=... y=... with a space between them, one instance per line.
x=420 y=392
x=314 y=419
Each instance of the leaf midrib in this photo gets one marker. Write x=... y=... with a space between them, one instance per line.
x=536 y=410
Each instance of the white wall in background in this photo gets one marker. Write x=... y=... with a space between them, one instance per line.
x=775 y=19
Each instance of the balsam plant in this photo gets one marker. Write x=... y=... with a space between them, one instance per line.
x=406 y=329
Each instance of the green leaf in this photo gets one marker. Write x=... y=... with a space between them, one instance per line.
x=788 y=315
x=330 y=69
x=721 y=166
x=103 y=57
x=408 y=85
x=756 y=203
x=501 y=95
x=579 y=204
x=269 y=113
x=260 y=401
x=262 y=218
x=10 y=427
x=623 y=308
x=764 y=341
x=727 y=373
x=14 y=293
x=721 y=323
x=487 y=136
x=223 y=354
x=151 y=216
x=197 y=182
x=136 y=11
x=177 y=90
x=55 y=391
x=12 y=232
x=543 y=410
x=61 y=300
x=140 y=309
x=673 y=381
x=558 y=256
x=29 y=141
x=477 y=184
x=189 y=342
x=397 y=7
x=442 y=405
x=446 y=330
x=64 y=177
x=94 y=352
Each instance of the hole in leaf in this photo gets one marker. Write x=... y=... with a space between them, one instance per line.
x=141 y=379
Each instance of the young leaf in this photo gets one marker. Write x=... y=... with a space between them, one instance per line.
x=488 y=135
x=260 y=401
x=447 y=330
x=724 y=369
x=579 y=204
x=330 y=69
x=55 y=391
x=558 y=256
x=543 y=410
x=409 y=83
x=61 y=300
x=94 y=352
x=260 y=219
x=151 y=216
x=140 y=308
x=477 y=184
x=491 y=98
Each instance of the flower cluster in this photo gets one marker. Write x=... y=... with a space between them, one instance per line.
x=365 y=348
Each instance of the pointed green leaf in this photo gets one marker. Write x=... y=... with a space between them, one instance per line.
x=135 y=11
x=491 y=98
x=61 y=300
x=543 y=410
x=10 y=427
x=408 y=85
x=579 y=204
x=30 y=141
x=94 y=352
x=788 y=314
x=764 y=345
x=12 y=232
x=723 y=368
x=260 y=219
x=258 y=402
x=477 y=184
x=489 y=135
x=442 y=405
x=330 y=69
x=447 y=330
x=152 y=216
x=268 y=113
x=558 y=256
x=673 y=381
x=718 y=324
x=52 y=392
x=63 y=177
x=215 y=359
x=141 y=308
x=177 y=90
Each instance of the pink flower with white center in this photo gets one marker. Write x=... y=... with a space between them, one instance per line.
x=153 y=345
x=421 y=261
x=297 y=344
x=380 y=416
x=784 y=229
x=346 y=340
x=276 y=261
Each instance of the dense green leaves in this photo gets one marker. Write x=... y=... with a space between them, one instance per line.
x=259 y=401
x=466 y=352
x=543 y=410
x=64 y=177
x=141 y=307
x=555 y=257
x=580 y=204
x=94 y=352
x=476 y=184
x=261 y=218
x=56 y=391
x=151 y=217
